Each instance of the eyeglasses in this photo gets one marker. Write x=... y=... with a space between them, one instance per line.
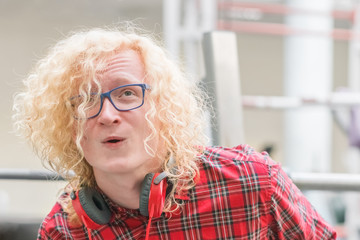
x=123 y=98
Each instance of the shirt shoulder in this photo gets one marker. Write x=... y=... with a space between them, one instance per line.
x=242 y=156
x=55 y=225
x=241 y=153
x=240 y=167
x=51 y=223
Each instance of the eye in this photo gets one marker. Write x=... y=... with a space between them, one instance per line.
x=128 y=93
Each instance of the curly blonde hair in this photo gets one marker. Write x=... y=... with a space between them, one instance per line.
x=44 y=115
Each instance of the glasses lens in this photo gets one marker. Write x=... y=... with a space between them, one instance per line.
x=127 y=97
x=86 y=108
x=124 y=98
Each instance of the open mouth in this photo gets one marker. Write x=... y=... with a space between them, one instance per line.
x=113 y=140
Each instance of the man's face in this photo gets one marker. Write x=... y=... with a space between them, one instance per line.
x=113 y=142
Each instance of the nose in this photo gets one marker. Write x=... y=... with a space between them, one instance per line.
x=108 y=115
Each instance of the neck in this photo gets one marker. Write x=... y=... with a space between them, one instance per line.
x=122 y=189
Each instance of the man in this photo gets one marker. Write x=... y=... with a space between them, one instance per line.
x=111 y=107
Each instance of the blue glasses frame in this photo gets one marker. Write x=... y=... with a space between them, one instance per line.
x=107 y=95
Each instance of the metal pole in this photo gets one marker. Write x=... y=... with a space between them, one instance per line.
x=304 y=181
x=334 y=100
x=26 y=174
x=308 y=64
x=223 y=84
x=326 y=181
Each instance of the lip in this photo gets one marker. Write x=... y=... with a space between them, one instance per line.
x=113 y=140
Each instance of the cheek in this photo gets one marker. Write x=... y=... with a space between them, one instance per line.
x=77 y=126
x=85 y=141
x=89 y=150
x=75 y=134
x=84 y=145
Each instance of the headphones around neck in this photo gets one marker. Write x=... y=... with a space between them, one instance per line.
x=92 y=209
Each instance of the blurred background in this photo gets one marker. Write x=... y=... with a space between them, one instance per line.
x=292 y=86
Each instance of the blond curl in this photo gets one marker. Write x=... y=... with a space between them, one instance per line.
x=44 y=115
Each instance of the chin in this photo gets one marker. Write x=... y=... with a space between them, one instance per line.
x=120 y=167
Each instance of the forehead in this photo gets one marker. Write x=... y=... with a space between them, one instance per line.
x=124 y=63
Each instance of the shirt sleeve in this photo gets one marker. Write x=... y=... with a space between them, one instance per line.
x=55 y=225
x=42 y=235
x=294 y=216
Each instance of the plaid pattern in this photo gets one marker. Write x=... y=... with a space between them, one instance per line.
x=241 y=194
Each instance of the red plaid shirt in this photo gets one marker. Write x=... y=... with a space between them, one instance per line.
x=241 y=194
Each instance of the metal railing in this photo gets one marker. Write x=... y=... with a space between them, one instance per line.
x=27 y=174
x=326 y=181
x=304 y=181
x=334 y=100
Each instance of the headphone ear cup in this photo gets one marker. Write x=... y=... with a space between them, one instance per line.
x=145 y=193
x=94 y=205
x=153 y=194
